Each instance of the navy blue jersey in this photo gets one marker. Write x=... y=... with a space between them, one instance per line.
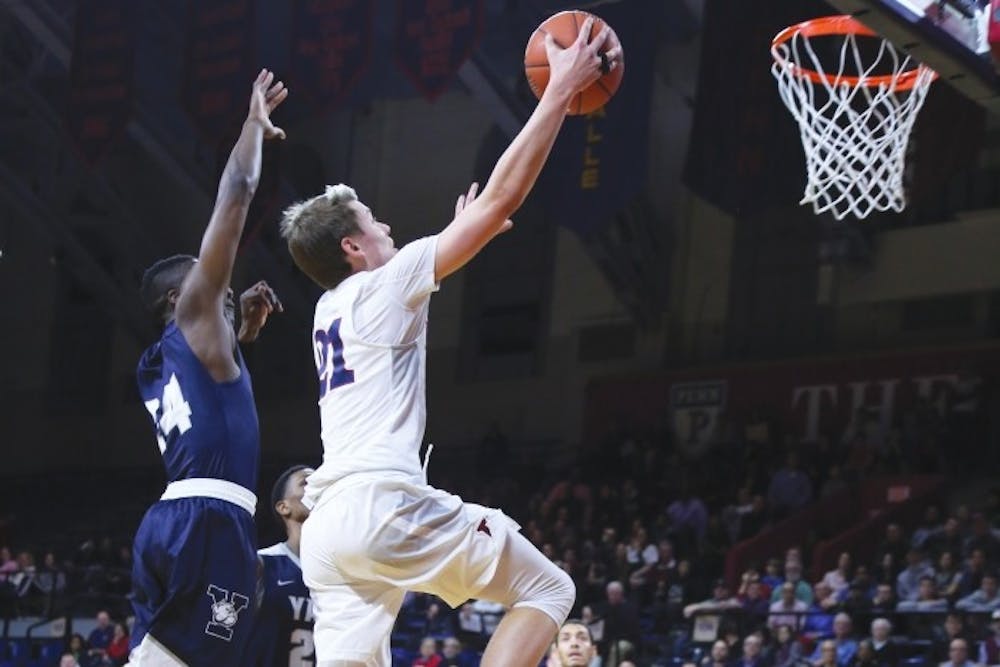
x=283 y=628
x=205 y=429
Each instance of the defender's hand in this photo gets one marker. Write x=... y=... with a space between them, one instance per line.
x=255 y=305
x=264 y=99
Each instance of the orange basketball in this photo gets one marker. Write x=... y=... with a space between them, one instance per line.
x=564 y=28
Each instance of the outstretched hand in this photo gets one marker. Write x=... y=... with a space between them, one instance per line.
x=469 y=197
x=581 y=63
x=255 y=305
x=264 y=99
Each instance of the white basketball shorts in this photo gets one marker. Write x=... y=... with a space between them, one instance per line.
x=370 y=539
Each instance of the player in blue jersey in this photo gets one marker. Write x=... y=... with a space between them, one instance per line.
x=195 y=566
x=283 y=628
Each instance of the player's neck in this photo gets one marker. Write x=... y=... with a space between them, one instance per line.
x=294 y=531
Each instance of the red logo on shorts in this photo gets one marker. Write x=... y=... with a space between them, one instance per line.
x=483 y=528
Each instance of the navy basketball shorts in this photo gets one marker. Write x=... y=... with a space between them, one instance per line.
x=194 y=580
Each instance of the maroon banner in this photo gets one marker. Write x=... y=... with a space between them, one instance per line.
x=100 y=94
x=219 y=71
x=433 y=39
x=331 y=47
x=807 y=397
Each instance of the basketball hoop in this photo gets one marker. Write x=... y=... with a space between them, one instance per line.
x=854 y=121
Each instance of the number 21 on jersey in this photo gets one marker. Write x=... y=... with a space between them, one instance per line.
x=330 y=365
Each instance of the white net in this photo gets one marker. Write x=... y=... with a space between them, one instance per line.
x=854 y=122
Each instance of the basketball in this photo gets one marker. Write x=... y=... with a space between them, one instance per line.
x=564 y=28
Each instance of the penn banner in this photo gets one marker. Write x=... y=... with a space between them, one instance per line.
x=101 y=88
x=805 y=399
x=745 y=154
x=331 y=48
x=219 y=70
x=433 y=38
x=599 y=162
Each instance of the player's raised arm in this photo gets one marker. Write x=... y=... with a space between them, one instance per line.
x=200 y=305
x=572 y=70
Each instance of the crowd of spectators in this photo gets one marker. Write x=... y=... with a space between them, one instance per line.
x=643 y=524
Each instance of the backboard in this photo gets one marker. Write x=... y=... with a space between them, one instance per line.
x=949 y=36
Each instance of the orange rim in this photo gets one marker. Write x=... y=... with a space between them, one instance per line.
x=839 y=25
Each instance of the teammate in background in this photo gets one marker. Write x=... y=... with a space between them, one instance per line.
x=195 y=566
x=574 y=645
x=283 y=628
x=377 y=528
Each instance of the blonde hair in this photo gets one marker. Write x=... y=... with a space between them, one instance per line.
x=314 y=229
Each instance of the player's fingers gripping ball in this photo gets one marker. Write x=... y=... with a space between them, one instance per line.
x=565 y=28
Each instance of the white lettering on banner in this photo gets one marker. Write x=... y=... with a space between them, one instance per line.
x=819 y=398
x=883 y=407
x=814 y=396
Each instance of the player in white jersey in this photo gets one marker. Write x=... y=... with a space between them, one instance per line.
x=376 y=529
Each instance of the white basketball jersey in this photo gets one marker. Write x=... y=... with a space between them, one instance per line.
x=369 y=338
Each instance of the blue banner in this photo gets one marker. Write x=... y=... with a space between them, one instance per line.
x=599 y=163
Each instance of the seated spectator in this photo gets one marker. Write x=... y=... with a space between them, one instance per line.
x=945 y=635
x=77 y=647
x=884 y=599
x=827 y=652
x=865 y=657
x=948 y=538
x=927 y=598
x=839 y=578
x=67 y=660
x=793 y=576
x=787 y=649
x=100 y=638
x=958 y=654
x=621 y=621
x=983 y=538
x=989 y=649
x=470 y=627
x=908 y=581
x=894 y=544
x=930 y=525
x=688 y=518
x=858 y=601
x=972 y=575
x=845 y=646
x=819 y=622
x=118 y=648
x=884 y=652
x=824 y=597
x=754 y=604
x=788 y=610
x=790 y=489
x=451 y=653
x=772 y=574
x=428 y=654
x=947 y=578
x=439 y=622
x=751 y=657
x=718 y=656
x=8 y=565
x=985 y=599
x=721 y=600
